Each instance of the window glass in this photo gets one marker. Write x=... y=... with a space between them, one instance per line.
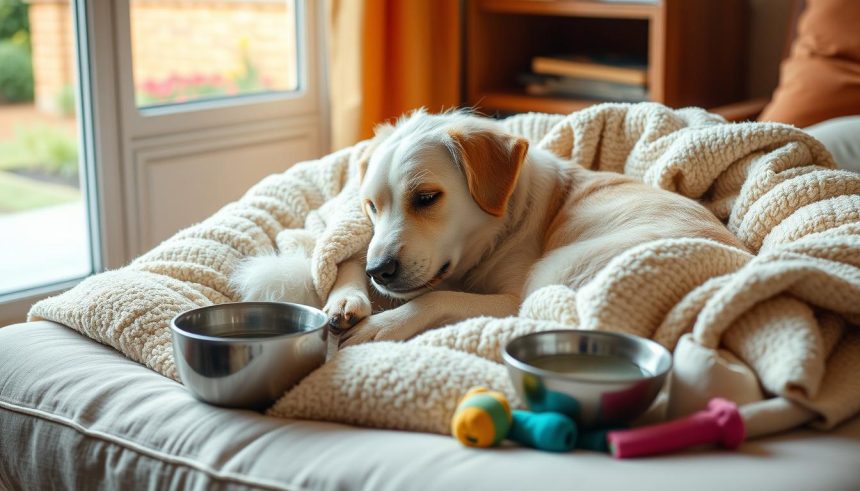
x=186 y=50
x=44 y=234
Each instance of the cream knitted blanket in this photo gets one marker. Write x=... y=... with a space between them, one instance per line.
x=779 y=325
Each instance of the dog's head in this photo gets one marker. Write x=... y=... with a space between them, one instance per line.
x=436 y=189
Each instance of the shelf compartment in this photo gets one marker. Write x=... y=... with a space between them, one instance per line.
x=695 y=50
x=572 y=8
x=516 y=102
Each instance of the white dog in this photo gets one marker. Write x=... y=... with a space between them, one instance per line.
x=468 y=221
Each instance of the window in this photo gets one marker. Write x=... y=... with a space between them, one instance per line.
x=107 y=108
x=184 y=50
x=44 y=225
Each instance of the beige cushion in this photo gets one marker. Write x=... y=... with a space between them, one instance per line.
x=820 y=79
x=842 y=137
x=74 y=414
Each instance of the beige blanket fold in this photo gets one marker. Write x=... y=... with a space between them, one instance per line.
x=781 y=325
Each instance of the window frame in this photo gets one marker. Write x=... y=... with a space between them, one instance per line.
x=107 y=109
x=145 y=128
x=99 y=155
x=208 y=113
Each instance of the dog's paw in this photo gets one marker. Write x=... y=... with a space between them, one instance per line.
x=384 y=326
x=345 y=309
x=364 y=332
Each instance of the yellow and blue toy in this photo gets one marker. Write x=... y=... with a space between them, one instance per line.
x=484 y=418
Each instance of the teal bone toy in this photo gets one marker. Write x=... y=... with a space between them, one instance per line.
x=484 y=418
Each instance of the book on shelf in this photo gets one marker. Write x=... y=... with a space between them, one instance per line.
x=607 y=68
x=544 y=85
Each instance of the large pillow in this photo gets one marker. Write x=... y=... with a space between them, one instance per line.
x=820 y=79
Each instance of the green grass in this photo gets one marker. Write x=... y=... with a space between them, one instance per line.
x=19 y=193
x=13 y=155
x=49 y=149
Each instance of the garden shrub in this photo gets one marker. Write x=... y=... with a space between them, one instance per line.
x=16 y=72
x=66 y=101
x=13 y=18
x=53 y=150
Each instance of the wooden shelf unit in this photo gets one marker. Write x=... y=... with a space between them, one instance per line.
x=695 y=49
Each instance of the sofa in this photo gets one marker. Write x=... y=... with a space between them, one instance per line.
x=75 y=414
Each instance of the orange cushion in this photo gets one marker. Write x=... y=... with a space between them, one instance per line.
x=821 y=78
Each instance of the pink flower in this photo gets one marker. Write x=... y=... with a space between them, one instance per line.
x=156 y=89
x=197 y=79
x=166 y=88
x=149 y=85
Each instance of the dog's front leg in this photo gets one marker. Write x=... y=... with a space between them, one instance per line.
x=433 y=309
x=348 y=303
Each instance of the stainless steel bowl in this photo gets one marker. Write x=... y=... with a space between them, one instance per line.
x=247 y=354
x=594 y=399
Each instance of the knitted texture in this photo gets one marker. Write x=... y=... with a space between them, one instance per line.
x=789 y=310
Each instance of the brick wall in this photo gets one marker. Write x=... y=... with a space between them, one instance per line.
x=53 y=51
x=176 y=38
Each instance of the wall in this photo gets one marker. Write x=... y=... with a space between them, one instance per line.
x=53 y=48
x=768 y=22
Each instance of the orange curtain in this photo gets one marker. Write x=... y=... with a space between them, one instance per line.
x=387 y=57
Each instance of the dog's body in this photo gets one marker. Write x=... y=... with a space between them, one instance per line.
x=468 y=222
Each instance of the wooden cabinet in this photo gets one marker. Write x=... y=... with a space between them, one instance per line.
x=695 y=49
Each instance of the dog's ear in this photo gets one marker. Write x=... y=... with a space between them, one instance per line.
x=492 y=163
x=364 y=161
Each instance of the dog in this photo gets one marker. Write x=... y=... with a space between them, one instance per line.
x=468 y=221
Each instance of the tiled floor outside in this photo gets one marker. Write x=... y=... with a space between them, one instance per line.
x=43 y=246
x=43 y=229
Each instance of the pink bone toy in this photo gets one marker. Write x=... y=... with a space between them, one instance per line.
x=720 y=423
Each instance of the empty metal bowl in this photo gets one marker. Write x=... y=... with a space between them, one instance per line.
x=600 y=379
x=247 y=354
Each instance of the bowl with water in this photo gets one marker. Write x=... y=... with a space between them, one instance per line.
x=598 y=378
x=247 y=354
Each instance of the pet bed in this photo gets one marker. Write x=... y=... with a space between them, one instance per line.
x=784 y=318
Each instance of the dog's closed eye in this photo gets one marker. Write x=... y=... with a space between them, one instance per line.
x=425 y=199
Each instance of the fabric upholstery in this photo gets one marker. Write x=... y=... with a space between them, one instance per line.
x=78 y=415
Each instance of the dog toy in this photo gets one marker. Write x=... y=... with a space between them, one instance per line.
x=594 y=440
x=484 y=418
x=553 y=432
x=720 y=423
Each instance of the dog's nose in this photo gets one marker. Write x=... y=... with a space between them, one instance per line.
x=383 y=270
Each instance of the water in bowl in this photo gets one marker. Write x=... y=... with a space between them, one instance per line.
x=254 y=333
x=590 y=367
